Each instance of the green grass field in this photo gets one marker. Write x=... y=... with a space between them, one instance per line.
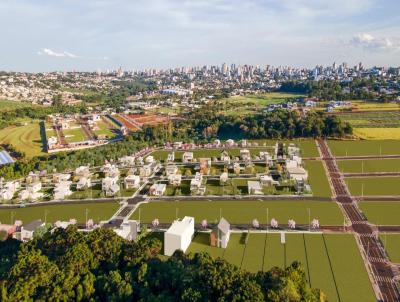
x=324 y=263
x=373 y=165
x=370 y=186
x=103 y=130
x=392 y=246
x=317 y=178
x=7 y=105
x=240 y=211
x=25 y=139
x=363 y=148
x=74 y=135
x=97 y=212
x=377 y=133
x=381 y=213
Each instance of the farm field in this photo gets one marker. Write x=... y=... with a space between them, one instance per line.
x=359 y=105
x=325 y=265
x=372 y=165
x=364 y=148
x=373 y=186
x=25 y=139
x=377 y=133
x=240 y=211
x=380 y=119
x=97 y=212
x=392 y=246
x=317 y=178
x=381 y=213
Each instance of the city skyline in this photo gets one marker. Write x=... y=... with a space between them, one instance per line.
x=70 y=35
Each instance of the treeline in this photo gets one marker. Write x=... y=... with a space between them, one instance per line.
x=94 y=157
x=68 y=265
x=361 y=89
x=9 y=117
x=205 y=124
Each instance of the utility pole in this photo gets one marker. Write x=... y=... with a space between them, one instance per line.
x=309 y=219
x=267 y=219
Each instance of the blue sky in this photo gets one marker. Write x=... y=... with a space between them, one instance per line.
x=134 y=34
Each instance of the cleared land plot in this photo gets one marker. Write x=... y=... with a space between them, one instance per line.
x=97 y=212
x=370 y=186
x=381 y=213
x=372 y=165
x=322 y=264
x=377 y=133
x=25 y=139
x=241 y=212
x=317 y=178
x=364 y=148
x=372 y=119
x=74 y=135
x=392 y=246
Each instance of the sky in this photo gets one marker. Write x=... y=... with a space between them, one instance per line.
x=88 y=35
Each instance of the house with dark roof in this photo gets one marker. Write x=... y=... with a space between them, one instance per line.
x=219 y=236
x=27 y=231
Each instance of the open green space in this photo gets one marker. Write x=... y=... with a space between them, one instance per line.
x=371 y=165
x=381 y=213
x=317 y=178
x=241 y=211
x=26 y=138
x=392 y=246
x=377 y=133
x=102 y=130
x=96 y=211
x=380 y=119
x=7 y=105
x=370 y=186
x=364 y=148
x=73 y=135
x=326 y=266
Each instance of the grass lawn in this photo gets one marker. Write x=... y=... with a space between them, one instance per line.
x=26 y=139
x=392 y=246
x=372 y=165
x=327 y=212
x=381 y=213
x=364 y=148
x=323 y=264
x=97 y=211
x=374 y=186
x=74 y=135
x=7 y=105
x=317 y=178
x=377 y=133
x=103 y=130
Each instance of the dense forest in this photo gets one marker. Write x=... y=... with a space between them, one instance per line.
x=68 y=265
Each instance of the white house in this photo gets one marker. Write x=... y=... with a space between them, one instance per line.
x=171 y=169
x=62 y=190
x=175 y=179
x=128 y=229
x=293 y=150
x=219 y=236
x=224 y=157
x=223 y=178
x=187 y=157
x=245 y=154
x=127 y=161
x=171 y=157
x=291 y=163
x=27 y=231
x=149 y=159
x=179 y=235
x=236 y=168
x=267 y=180
x=110 y=185
x=132 y=182
x=34 y=187
x=82 y=171
x=230 y=143
x=157 y=189
x=8 y=190
x=254 y=187
x=196 y=182
x=297 y=173
x=83 y=183
x=110 y=171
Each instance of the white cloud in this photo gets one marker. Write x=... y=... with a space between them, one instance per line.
x=370 y=42
x=66 y=54
x=52 y=53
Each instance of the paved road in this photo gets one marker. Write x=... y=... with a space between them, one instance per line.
x=381 y=269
